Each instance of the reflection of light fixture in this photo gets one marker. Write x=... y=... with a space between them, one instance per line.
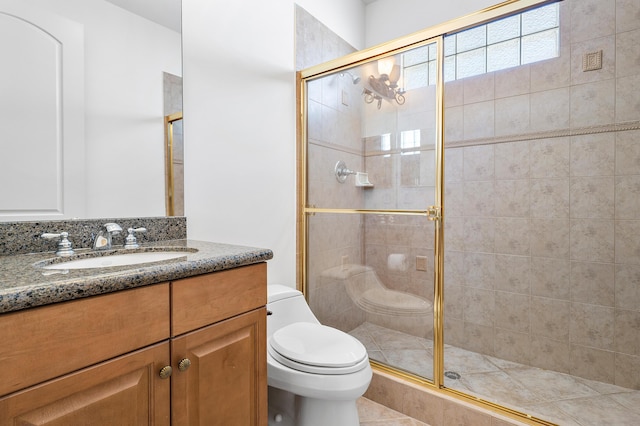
x=369 y=97
x=386 y=86
x=385 y=65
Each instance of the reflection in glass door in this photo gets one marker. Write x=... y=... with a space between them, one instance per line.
x=372 y=135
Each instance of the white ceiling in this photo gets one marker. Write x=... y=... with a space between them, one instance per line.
x=163 y=12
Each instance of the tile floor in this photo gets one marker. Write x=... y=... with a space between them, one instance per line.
x=374 y=414
x=556 y=397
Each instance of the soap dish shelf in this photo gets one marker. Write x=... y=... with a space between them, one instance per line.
x=342 y=171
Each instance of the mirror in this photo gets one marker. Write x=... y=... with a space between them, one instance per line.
x=85 y=132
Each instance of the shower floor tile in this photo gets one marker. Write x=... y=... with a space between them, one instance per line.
x=556 y=397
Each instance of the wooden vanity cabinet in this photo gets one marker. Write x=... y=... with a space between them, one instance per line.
x=97 y=361
x=91 y=361
x=219 y=339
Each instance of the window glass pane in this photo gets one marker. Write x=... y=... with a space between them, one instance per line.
x=433 y=52
x=416 y=76
x=472 y=38
x=540 y=46
x=503 y=29
x=450 y=68
x=450 y=45
x=432 y=72
x=471 y=63
x=540 y=19
x=503 y=55
x=512 y=41
x=409 y=139
x=415 y=56
x=385 y=142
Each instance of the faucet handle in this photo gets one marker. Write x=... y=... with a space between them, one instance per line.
x=65 y=248
x=131 y=241
x=112 y=228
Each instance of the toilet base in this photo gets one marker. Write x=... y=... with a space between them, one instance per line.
x=287 y=409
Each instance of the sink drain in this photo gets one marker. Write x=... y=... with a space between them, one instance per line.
x=451 y=375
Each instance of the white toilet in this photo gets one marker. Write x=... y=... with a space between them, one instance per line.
x=315 y=373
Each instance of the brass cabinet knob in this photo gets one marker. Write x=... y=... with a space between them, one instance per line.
x=184 y=364
x=165 y=372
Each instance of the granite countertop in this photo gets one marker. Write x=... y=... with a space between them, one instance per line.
x=24 y=284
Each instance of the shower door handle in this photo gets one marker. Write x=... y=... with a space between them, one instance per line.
x=434 y=213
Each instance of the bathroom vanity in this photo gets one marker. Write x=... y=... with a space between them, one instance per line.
x=179 y=342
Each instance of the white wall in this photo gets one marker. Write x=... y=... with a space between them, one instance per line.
x=132 y=58
x=389 y=19
x=240 y=128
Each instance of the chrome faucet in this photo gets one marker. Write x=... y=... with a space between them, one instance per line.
x=65 y=248
x=131 y=242
x=103 y=239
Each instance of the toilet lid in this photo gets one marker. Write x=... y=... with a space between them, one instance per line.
x=317 y=345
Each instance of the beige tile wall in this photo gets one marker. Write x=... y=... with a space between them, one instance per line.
x=543 y=204
x=334 y=134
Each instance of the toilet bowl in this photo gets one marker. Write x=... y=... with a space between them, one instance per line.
x=388 y=308
x=315 y=373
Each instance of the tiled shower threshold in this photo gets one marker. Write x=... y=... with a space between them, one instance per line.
x=373 y=414
x=555 y=397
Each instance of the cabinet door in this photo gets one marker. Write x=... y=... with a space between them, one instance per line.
x=124 y=391
x=226 y=383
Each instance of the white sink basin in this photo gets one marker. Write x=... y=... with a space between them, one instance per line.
x=118 y=260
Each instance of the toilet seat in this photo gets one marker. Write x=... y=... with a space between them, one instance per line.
x=315 y=348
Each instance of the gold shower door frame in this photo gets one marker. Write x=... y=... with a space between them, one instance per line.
x=436 y=213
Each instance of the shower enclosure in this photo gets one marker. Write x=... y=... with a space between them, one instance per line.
x=470 y=207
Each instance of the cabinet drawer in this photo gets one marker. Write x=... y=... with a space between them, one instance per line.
x=42 y=343
x=206 y=299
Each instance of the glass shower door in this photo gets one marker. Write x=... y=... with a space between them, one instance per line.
x=372 y=133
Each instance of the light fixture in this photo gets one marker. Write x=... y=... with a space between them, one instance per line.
x=386 y=85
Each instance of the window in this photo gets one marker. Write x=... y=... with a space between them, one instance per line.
x=410 y=142
x=509 y=42
x=385 y=142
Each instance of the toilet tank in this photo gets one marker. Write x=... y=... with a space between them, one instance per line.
x=277 y=292
x=285 y=306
